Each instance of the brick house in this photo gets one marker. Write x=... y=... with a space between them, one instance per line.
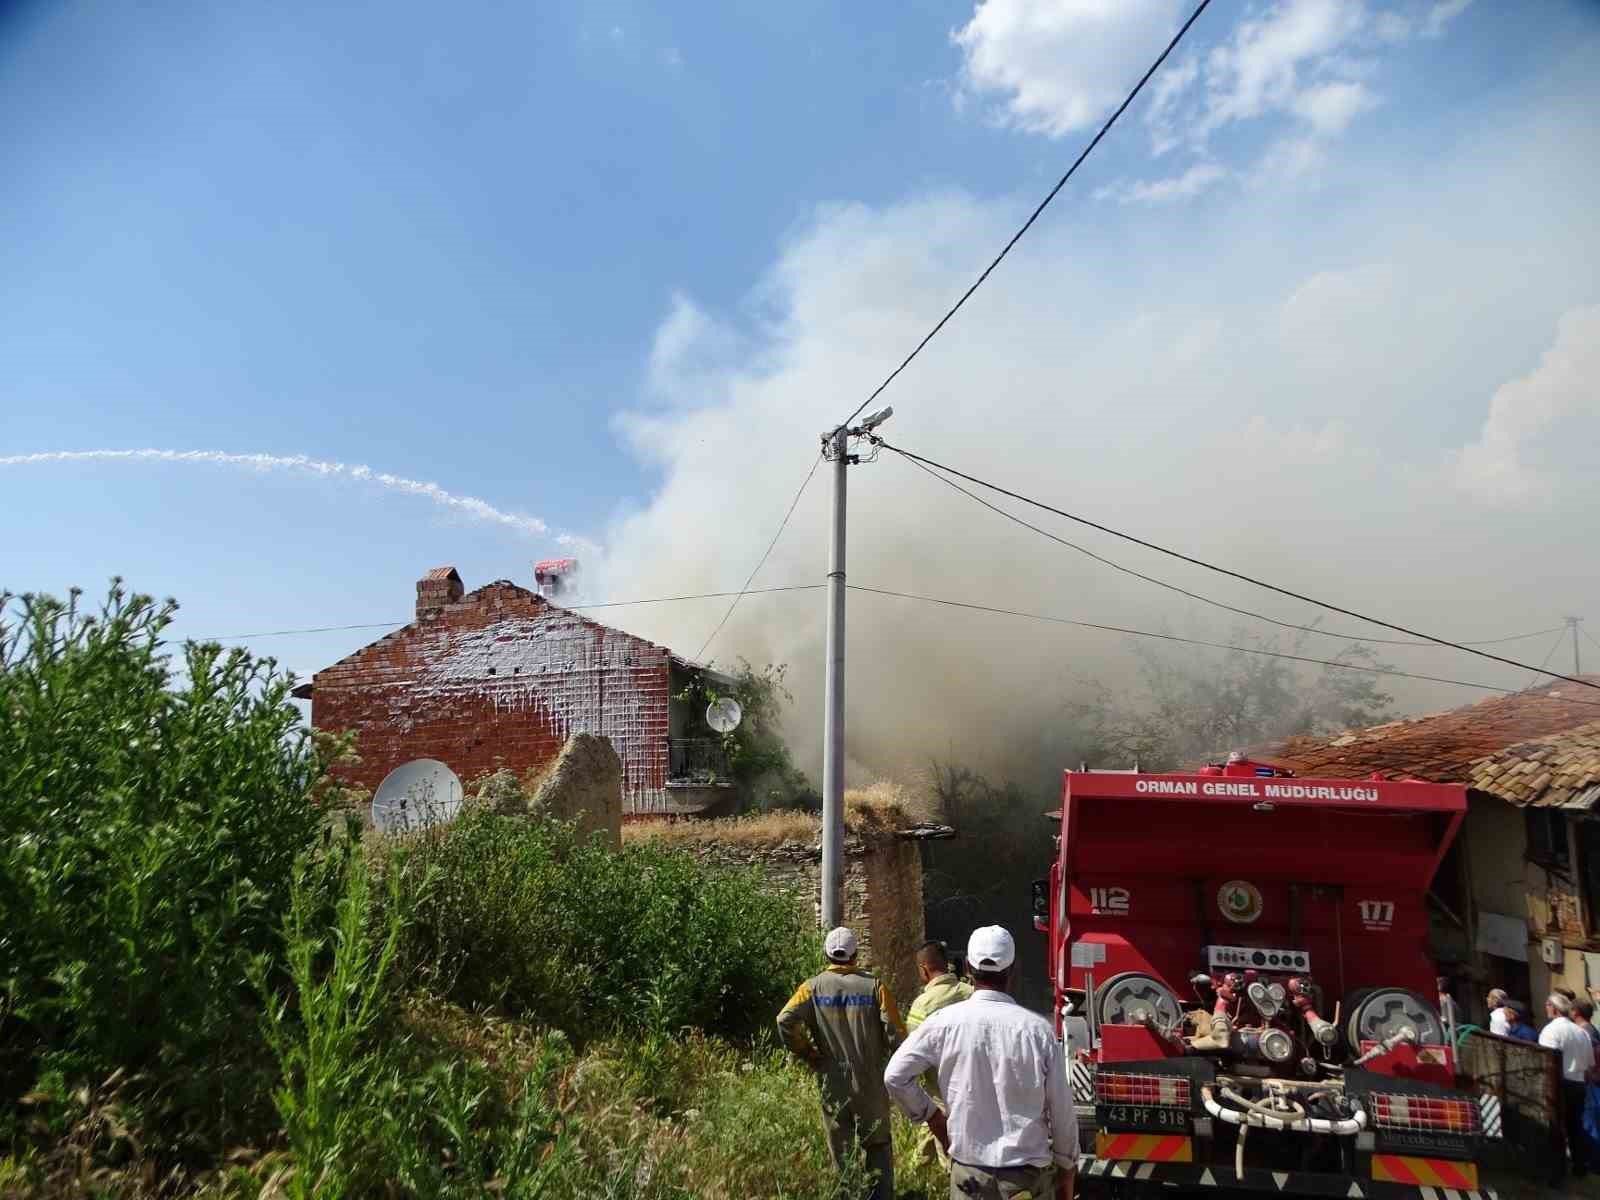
x=1516 y=902
x=501 y=676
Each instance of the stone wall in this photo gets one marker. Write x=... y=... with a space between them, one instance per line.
x=882 y=895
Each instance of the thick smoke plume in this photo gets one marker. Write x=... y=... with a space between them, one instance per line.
x=1305 y=383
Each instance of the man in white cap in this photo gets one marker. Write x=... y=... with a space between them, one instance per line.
x=1012 y=1131
x=843 y=1023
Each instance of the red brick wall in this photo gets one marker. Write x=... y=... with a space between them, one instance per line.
x=501 y=678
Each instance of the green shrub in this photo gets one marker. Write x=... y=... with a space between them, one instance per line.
x=530 y=918
x=321 y=1044
x=149 y=822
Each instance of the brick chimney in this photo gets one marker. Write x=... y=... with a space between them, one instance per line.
x=436 y=589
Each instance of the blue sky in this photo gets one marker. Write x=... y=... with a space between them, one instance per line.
x=611 y=266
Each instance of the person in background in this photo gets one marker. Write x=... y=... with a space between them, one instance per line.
x=1583 y=1018
x=940 y=989
x=1449 y=1010
x=843 y=1023
x=1519 y=1021
x=1577 y=1060
x=1496 y=1002
x=1012 y=1128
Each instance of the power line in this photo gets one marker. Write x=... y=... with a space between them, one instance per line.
x=1556 y=645
x=797 y=587
x=1172 y=587
x=1271 y=587
x=1172 y=637
x=960 y=604
x=1034 y=216
x=1590 y=636
x=765 y=554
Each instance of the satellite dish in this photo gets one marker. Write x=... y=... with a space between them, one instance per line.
x=415 y=795
x=724 y=715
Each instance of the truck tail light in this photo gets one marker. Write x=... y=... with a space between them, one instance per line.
x=1152 y=1091
x=1424 y=1114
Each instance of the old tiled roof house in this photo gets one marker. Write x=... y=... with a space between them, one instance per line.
x=501 y=676
x=1517 y=901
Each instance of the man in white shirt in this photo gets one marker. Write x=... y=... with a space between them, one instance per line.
x=1499 y=1022
x=1011 y=1129
x=1577 y=1059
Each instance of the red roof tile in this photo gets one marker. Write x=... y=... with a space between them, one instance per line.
x=1442 y=747
x=441 y=573
x=1558 y=771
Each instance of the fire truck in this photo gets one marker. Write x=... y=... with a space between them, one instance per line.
x=1240 y=967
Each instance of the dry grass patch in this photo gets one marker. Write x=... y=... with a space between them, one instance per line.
x=881 y=807
x=757 y=832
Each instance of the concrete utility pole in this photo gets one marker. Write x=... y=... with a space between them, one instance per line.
x=836 y=447
x=1577 y=663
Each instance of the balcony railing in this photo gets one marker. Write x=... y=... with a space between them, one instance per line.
x=696 y=761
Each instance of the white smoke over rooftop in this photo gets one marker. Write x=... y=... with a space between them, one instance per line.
x=1283 y=383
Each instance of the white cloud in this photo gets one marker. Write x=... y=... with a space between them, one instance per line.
x=1308 y=65
x=1330 y=107
x=1297 y=444
x=1440 y=16
x=1059 y=65
x=1263 y=66
x=1198 y=178
x=1429 y=20
x=1165 y=90
x=672 y=57
x=1566 y=381
x=1289 y=160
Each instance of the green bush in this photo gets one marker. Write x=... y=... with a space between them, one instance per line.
x=529 y=918
x=149 y=823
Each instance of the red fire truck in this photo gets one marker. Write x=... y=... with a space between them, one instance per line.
x=1241 y=974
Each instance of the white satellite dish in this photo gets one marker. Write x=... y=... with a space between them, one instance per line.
x=724 y=715
x=415 y=795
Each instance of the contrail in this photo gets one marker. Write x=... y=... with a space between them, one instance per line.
x=470 y=506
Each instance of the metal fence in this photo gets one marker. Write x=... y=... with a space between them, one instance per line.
x=1525 y=1078
x=696 y=760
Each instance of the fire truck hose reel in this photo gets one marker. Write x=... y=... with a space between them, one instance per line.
x=1260 y=1116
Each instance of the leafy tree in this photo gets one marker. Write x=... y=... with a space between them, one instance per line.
x=1194 y=703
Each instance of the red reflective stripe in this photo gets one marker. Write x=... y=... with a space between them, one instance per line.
x=1166 y=1148
x=1116 y=1144
x=1396 y=1170
x=1451 y=1175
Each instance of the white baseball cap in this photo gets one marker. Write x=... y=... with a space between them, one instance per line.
x=990 y=949
x=840 y=945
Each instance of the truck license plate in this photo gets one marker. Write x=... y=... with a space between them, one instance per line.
x=1141 y=1116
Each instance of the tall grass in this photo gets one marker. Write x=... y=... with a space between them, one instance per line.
x=205 y=991
x=149 y=823
x=339 y=976
x=541 y=923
